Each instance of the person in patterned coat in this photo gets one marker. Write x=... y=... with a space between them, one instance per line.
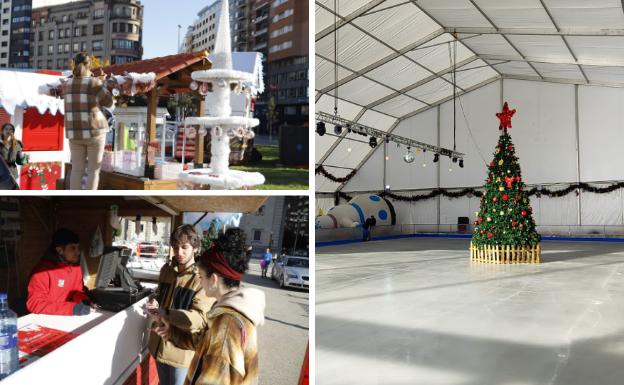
x=85 y=122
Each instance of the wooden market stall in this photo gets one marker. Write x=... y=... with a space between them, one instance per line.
x=116 y=342
x=172 y=76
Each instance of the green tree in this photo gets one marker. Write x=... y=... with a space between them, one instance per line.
x=505 y=217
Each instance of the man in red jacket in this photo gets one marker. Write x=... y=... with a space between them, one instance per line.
x=55 y=285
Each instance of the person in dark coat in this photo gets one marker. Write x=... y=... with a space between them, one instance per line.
x=11 y=150
x=369 y=223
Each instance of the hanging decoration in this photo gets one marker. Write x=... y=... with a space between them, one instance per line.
x=40 y=170
x=321 y=170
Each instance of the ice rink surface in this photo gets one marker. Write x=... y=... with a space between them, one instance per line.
x=416 y=311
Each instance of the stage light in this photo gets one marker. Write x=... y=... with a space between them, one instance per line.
x=372 y=142
x=320 y=128
x=387 y=139
x=454 y=159
x=337 y=129
x=461 y=163
x=436 y=157
x=348 y=128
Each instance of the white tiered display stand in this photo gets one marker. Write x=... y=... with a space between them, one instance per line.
x=222 y=80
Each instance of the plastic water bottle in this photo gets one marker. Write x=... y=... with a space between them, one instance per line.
x=8 y=338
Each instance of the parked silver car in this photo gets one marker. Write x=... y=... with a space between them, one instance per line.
x=291 y=271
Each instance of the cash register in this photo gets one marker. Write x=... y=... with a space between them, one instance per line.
x=115 y=289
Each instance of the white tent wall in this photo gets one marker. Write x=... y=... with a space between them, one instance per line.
x=371 y=175
x=480 y=108
x=545 y=132
x=401 y=175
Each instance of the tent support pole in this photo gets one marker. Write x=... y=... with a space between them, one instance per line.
x=438 y=170
x=578 y=152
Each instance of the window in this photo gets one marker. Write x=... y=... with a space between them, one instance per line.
x=40 y=50
x=5 y=44
x=122 y=27
x=98 y=13
x=83 y=30
x=50 y=49
x=281 y=31
x=257 y=235
x=114 y=27
x=280 y=47
x=283 y=15
x=3 y=55
x=6 y=10
x=59 y=63
x=61 y=33
x=122 y=44
x=21 y=19
x=97 y=45
x=67 y=48
x=83 y=46
x=51 y=35
x=76 y=47
x=49 y=63
x=277 y=3
x=98 y=29
x=67 y=32
x=77 y=31
x=64 y=18
x=60 y=48
x=5 y=22
x=5 y=33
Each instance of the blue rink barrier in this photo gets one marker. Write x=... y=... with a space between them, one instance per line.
x=460 y=236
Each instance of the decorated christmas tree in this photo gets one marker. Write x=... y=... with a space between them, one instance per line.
x=505 y=229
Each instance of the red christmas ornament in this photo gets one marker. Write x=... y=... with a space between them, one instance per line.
x=505 y=197
x=514 y=223
x=520 y=225
x=492 y=164
x=505 y=117
x=490 y=235
x=523 y=213
x=494 y=199
x=510 y=147
x=482 y=232
x=509 y=181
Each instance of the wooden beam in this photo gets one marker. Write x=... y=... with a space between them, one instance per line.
x=152 y=105
x=199 y=139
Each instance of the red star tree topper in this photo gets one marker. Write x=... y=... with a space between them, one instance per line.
x=505 y=117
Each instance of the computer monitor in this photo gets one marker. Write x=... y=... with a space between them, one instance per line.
x=112 y=268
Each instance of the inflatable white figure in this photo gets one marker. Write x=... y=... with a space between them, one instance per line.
x=354 y=213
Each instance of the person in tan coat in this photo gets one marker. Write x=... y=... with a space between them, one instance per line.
x=226 y=353
x=85 y=123
x=181 y=302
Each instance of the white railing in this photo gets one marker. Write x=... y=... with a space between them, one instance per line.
x=585 y=231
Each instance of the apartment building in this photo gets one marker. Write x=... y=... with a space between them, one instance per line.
x=110 y=30
x=5 y=31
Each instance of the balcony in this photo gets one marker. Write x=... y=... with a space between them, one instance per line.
x=260 y=18
x=260 y=31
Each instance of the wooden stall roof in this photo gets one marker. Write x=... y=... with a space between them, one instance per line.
x=173 y=71
x=160 y=66
x=221 y=204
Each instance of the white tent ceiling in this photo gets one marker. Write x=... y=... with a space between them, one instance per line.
x=394 y=56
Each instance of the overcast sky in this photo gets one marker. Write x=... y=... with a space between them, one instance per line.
x=160 y=22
